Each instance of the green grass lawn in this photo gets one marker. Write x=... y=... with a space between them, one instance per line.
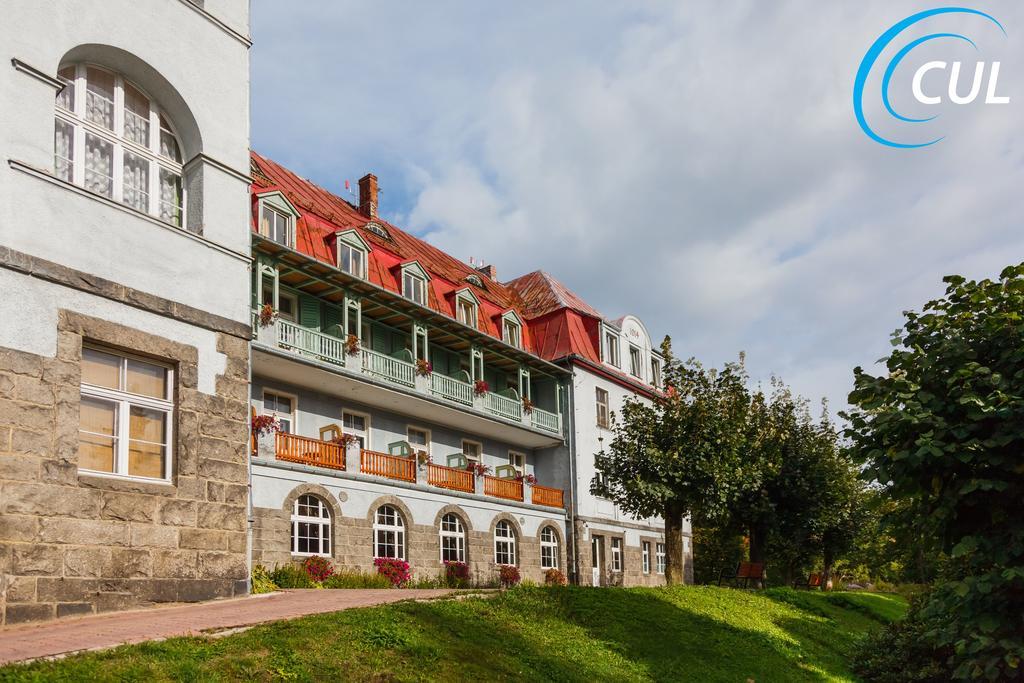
x=565 y=634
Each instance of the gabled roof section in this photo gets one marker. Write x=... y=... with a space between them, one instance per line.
x=354 y=238
x=416 y=268
x=279 y=199
x=542 y=294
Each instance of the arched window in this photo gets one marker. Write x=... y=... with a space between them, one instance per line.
x=311 y=527
x=504 y=543
x=548 y=548
x=388 y=533
x=112 y=139
x=453 y=539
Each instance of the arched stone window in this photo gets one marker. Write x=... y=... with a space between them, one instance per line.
x=113 y=139
x=388 y=533
x=453 y=539
x=311 y=527
x=504 y=543
x=548 y=548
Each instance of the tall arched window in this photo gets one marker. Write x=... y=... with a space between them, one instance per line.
x=388 y=533
x=453 y=539
x=113 y=139
x=504 y=543
x=311 y=527
x=548 y=548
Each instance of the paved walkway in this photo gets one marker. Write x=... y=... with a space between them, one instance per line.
x=32 y=641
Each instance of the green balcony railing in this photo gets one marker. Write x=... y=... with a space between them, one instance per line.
x=389 y=368
x=550 y=422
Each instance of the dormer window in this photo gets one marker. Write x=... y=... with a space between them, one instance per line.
x=656 y=372
x=636 y=361
x=475 y=280
x=414 y=283
x=512 y=330
x=352 y=253
x=466 y=307
x=277 y=218
x=611 y=348
x=377 y=229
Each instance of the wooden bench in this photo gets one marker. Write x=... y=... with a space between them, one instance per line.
x=813 y=580
x=744 y=572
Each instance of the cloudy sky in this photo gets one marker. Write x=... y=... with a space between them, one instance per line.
x=696 y=164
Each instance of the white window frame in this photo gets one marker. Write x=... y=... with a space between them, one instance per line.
x=323 y=522
x=350 y=239
x=289 y=223
x=645 y=552
x=81 y=126
x=617 y=555
x=465 y=301
x=124 y=402
x=598 y=404
x=659 y=554
x=410 y=279
x=548 y=548
x=517 y=459
x=636 y=354
x=508 y=540
x=611 y=345
x=480 y=451
x=417 y=428
x=282 y=295
x=457 y=535
x=398 y=529
x=292 y=417
x=656 y=372
x=512 y=330
x=365 y=433
x=354 y=250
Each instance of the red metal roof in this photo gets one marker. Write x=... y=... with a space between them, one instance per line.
x=543 y=294
x=322 y=214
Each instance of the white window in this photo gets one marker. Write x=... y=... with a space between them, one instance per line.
x=611 y=349
x=126 y=416
x=388 y=533
x=548 y=548
x=352 y=260
x=419 y=439
x=453 y=539
x=636 y=361
x=287 y=304
x=358 y=425
x=504 y=543
x=275 y=224
x=602 y=408
x=466 y=311
x=311 y=527
x=414 y=287
x=283 y=406
x=646 y=553
x=105 y=142
x=616 y=554
x=472 y=450
x=518 y=462
x=660 y=557
x=512 y=333
x=656 y=372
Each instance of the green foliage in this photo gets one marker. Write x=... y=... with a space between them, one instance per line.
x=533 y=634
x=902 y=652
x=261 y=581
x=291 y=576
x=716 y=548
x=943 y=431
x=356 y=579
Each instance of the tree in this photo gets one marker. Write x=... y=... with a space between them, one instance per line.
x=944 y=429
x=683 y=453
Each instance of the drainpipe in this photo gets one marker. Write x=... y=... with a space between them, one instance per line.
x=571 y=443
x=250 y=519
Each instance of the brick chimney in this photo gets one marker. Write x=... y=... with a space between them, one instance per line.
x=368 y=195
x=489 y=271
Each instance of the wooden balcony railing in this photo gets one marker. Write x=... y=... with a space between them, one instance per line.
x=450 y=478
x=509 y=489
x=302 y=449
x=543 y=495
x=390 y=466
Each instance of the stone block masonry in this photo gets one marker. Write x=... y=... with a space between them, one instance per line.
x=75 y=543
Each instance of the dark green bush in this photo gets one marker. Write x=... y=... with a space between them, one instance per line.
x=291 y=576
x=902 y=653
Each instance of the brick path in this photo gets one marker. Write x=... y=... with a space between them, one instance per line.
x=32 y=641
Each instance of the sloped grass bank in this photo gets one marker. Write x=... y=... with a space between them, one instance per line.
x=566 y=634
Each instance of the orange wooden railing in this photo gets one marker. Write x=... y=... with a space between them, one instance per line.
x=509 y=489
x=295 y=448
x=542 y=495
x=450 y=478
x=384 y=465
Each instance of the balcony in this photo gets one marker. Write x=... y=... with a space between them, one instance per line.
x=329 y=349
x=304 y=450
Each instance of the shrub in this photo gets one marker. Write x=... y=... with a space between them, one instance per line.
x=554 y=577
x=397 y=571
x=508 y=575
x=292 y=576
x=357 y=579
x=901 y=652
x=261 y=581
x=318 y=568
x=456 y=574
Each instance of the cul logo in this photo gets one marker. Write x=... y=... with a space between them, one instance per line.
x=917 y=83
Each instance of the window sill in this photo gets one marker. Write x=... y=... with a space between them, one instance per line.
x=116 y=482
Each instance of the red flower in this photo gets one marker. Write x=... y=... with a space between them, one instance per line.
x=480 y=387
x=397 y=571
x=265 y=424
x=267 y=315
x=318 y=568
x=508 y=574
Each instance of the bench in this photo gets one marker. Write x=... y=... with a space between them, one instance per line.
x=744 y=572
x=813 y=580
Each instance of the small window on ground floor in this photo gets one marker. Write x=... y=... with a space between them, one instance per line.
x=548 y=548
x=660 y=557
x=616 y=554
x=453 y=539
x=388 y=533
x=646 y=552
x=504 y=543
x=311 y=527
